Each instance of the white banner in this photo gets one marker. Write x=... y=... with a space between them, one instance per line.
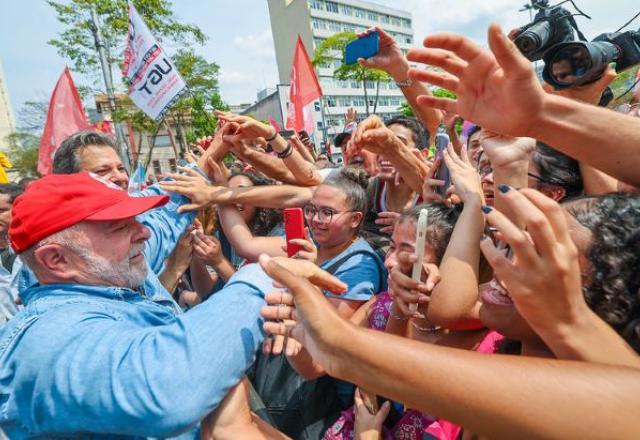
x=154 y=82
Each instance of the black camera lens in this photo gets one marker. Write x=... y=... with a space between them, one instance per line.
x=570 y=64
x=578 y=63
x=534 y=39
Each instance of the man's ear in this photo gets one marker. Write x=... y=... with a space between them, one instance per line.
x=54 y=259
x=356 y=219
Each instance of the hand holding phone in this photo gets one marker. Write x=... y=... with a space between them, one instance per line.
x=294 y=228
x=442 y=141
x=421 y=236
x=364 y=47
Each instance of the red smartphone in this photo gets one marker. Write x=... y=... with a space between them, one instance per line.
x=294 y=228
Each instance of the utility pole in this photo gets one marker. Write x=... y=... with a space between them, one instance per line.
x=123 y=149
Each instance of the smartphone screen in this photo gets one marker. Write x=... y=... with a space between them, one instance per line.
x=442 y=141
x=293 y=228
x=364 y=47
x=421 y=237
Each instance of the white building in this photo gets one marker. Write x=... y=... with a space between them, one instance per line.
x=315 y=20
x=7 y=121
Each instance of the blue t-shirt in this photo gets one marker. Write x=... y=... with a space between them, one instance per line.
x=364 y=273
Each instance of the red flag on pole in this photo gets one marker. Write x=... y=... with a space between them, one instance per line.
x=304 y=89
x=65 y=117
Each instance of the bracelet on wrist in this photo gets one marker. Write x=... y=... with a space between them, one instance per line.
x=427 y=329
x=286 y=152
x=275 y=135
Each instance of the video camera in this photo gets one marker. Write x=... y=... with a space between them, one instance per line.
x=568 y=63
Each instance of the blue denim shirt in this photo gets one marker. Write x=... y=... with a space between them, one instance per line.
x=93 y=361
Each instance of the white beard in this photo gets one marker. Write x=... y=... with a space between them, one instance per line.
x=120 y=274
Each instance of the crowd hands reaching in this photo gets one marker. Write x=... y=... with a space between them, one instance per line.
x=511 y=260
x=523 y=316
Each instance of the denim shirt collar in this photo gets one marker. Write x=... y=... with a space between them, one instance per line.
x=40 y=291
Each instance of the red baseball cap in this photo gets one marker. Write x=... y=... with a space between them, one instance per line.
x=58 y=201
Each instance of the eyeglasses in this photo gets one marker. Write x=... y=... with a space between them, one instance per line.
x=325 y=214
x=541 y=180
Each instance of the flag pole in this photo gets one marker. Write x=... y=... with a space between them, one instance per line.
x=123 y=148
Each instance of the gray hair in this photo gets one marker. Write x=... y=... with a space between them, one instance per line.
x=67 y=237
x=67 y=157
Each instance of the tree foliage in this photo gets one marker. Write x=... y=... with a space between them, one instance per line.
x=23 y=153
x=76 y=41
x=333 y=48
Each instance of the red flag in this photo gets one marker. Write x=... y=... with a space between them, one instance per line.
x=65 y=117
x=304 y=89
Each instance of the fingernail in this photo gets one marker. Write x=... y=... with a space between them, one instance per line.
x=430 y=286
x=614 y=65
x=504 y=188
x=483 y=238
x=486 y=209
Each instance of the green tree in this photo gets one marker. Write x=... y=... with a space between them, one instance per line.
x=23 y=153
x=201 y=77
x=76 y=41
x=331 y=49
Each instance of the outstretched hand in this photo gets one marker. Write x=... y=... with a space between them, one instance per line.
x=490 y=85
x=302 y=311
x=193 y=186
x=543 y=277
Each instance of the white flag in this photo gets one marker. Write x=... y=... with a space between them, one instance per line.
x=154 y=82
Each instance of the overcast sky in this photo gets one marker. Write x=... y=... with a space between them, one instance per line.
x=240 y=36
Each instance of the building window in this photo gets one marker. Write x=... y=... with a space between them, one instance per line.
x=373 y=16
x=331 y=101
x=360 y=13
x=347 y=10
x=370 y=84
x=406 y=23
x=316 y=4
x=319 y=125
x=396 y=21
x=332 y=7
x=358 y=101
x=172 y=165
x=408 y=40
x=385 y=19
x=316 y=106
x=157 y=169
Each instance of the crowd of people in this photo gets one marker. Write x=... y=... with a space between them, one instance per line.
x=176 y=312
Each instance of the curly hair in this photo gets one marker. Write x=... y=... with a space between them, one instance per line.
x=613 y=289
x=265 y=219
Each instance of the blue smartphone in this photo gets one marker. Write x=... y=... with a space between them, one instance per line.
x=364 y=47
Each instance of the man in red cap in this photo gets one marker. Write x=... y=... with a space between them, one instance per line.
x=91 y=352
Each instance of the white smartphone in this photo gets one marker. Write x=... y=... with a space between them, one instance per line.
x=421 y=235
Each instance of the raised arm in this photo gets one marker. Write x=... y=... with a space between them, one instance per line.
x=391 y=60
x=264 y=196
x=454 y=299
x=242 y=239
x=491 y=88
x=492 y=396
